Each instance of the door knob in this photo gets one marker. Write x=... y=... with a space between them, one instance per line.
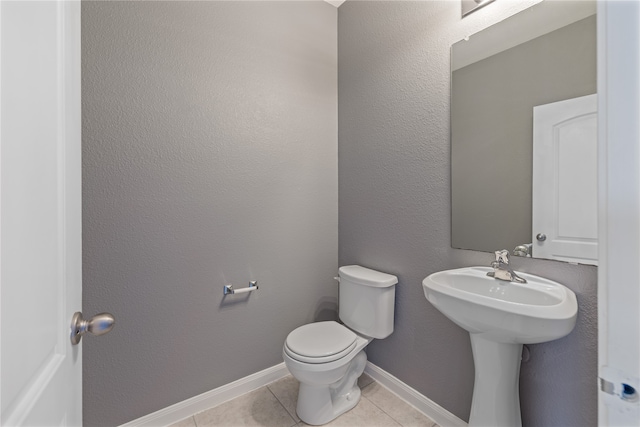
x=541 y=237
x=99 y=324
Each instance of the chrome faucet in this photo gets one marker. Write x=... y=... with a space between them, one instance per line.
x=502 y=270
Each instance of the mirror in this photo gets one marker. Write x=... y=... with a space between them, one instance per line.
x=541 y=59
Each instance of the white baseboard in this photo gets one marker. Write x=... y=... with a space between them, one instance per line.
x=422 y=403
x=209 y=399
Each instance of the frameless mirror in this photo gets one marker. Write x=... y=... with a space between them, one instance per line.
x=523 y=135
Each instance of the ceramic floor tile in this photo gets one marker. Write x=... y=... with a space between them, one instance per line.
x=286 y=390
x=364 y=380
x=258 y=408
x=395 y=407
x=365 y=414
x=187 y=422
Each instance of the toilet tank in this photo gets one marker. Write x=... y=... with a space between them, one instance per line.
x=367 y=300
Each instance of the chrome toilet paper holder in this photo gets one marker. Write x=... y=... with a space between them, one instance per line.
x=228 y=289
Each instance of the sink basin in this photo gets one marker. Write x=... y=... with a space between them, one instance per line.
x=500 y=317
x=525 y=313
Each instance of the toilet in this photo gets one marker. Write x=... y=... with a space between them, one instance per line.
x=328 y=357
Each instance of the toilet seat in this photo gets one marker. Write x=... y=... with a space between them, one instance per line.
x=320 y=342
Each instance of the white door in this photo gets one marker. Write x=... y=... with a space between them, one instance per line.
x=40 y=212
x=565 y=180
x=619 y=213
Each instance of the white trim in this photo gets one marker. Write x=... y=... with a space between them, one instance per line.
x=1 y=141
x=619 y=210
x=422 y=403
x=209 y=399
x=603 y=309
x=215 y=397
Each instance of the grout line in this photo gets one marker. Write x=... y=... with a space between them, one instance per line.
x=283 y=407
x=433 y=423
x=434 y=412
x=297 y=423
x=294 y=415
x=362 y=396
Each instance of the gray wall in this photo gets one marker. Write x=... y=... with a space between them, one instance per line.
x=394 y=198
x=209 y=157
x=492 y=136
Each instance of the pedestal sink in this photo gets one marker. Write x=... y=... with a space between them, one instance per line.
x=500 y=317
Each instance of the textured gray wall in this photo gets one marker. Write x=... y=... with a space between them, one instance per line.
x=209 y=157
x=492 y=136
x=394 y=198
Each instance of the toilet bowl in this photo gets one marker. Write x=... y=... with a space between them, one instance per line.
x=328 y=357
x=328 y=382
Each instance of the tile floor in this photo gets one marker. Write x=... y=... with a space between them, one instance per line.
x=275 y=405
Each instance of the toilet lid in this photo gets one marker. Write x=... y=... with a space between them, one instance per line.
x=320 y=342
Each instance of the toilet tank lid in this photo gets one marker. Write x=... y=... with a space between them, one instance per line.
x=366 y=276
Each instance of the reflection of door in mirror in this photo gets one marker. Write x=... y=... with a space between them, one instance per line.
x=565 y=152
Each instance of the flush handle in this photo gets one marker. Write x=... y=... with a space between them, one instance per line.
x=98 y=325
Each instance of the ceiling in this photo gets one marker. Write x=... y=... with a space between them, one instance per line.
x=336 y=3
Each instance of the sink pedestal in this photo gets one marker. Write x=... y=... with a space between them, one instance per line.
x=496 y=396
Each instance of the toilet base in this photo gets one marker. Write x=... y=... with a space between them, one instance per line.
x=320 y=404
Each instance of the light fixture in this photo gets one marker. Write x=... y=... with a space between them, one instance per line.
x=469 y=6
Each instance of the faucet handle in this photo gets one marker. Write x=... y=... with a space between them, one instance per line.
x=502 y=256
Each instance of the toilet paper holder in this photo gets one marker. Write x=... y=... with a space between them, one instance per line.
x=228 y=289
